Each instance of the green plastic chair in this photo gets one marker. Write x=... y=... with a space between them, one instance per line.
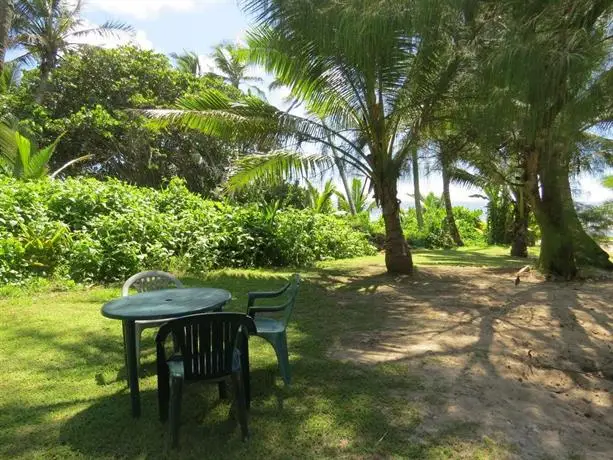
x=213 y=348
x=274 y=330
x=148 y=281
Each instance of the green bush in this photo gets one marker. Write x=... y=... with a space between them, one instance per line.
x=90 y=230
x=435 y=233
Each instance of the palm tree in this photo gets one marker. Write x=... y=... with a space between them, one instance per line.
x=9 y=76
x=47 y=28
x=352 y=64
x=549 y=64
x=321 y=201
x=358 y=195
x=232 y=64
x=21 y=158
x=6 y=16
x=188 y=62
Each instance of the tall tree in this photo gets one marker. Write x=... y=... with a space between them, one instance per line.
x=92 y=97
x=232 y=64
x=353 y=64
x=550 y=63
x=188 y=61
x=419 y=213
x=6 y=17
x=47 y=28
x=448 y=152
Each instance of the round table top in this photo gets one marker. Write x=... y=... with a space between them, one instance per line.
x=166 y=303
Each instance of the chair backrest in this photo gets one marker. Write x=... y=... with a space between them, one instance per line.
x=291 y=292
x=210 y=344
x=150 y=281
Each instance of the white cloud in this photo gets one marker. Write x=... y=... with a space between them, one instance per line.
x=146 y=9
x=139 y=38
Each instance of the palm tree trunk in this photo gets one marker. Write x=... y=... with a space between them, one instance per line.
x=341 y=172
x=417 y=193
x=398 y=259
x=453 y=228
x=519 y=245
x=6 y=17
x=47 y=64
x=557 y=255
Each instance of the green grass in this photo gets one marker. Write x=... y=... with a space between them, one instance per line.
x=63 y=391
x=486 y=256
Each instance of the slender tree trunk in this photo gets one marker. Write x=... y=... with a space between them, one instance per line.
x=45 y=71
x=557 y=255
x=521 y=213
x=348 y=195
x=341 y=171
x=419 y=213
x=398 y=257
x=6 y=18
x=453 y=228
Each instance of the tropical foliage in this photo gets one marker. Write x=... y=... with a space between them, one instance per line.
x=512 y=98
x=358 y=194
x=85 y=229
x=46 y=29
x=91 y=98
x=232 y=65
x=188 y=62
x=435 y=232
x=20 y=157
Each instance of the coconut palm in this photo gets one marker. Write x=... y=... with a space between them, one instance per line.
x=45 y=29
x=549 y=62
x=20 y=157
x=358 y=195
x=353 y=64
x=321 y=201
x=188 y=62
x=232 y=63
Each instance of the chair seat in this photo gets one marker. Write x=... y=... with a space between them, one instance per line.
x=268 y=325
x=175 y=367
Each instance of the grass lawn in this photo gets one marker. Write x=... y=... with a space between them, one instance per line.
x=63 y=392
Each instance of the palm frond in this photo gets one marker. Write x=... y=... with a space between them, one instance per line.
x=467 y=179
x=70 y=163
x=276 y=167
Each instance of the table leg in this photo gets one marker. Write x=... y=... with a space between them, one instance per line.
x=132 y=367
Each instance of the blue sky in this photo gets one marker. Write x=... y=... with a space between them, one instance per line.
x=198 y=25
x=174 y=25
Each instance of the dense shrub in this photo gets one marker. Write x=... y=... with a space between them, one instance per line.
x=435 y=233
x=597 y=220
x=104 y=231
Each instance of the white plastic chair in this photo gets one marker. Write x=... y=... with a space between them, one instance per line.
x=145 y=282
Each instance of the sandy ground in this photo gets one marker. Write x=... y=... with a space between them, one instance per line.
x=531 y=366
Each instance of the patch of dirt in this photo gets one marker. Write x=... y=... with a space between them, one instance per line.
x=531 y=365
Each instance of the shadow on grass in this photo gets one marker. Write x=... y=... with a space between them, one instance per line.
x=300 y=421
x=467 y=258
x=332 y=409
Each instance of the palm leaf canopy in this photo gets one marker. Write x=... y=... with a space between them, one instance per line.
x=348 y=62
x=45 y=28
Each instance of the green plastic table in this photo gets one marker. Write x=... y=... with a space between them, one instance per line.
x=166 y=303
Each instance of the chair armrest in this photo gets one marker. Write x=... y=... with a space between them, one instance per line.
x=251 y=311
x=253 y=296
